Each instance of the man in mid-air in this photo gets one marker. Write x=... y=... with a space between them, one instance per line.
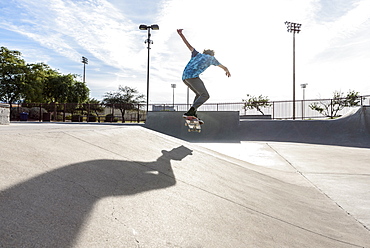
x=198 y=63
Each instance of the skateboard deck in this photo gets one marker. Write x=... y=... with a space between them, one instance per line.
x=193 y=124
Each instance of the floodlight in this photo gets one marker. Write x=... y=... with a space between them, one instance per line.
x=155 y=27
x=143 y=27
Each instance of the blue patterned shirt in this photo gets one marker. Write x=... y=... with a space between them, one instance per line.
x=198 y=63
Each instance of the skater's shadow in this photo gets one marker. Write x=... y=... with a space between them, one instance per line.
x=48 y=210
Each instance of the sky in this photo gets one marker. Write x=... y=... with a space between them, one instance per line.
x=249 y=37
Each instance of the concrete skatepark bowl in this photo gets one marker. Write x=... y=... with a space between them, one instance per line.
x=96 y=185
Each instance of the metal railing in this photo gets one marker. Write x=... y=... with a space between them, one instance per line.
x=276 y=109
x=73 y=112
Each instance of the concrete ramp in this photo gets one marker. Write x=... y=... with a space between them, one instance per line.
x=219 y=125
x=350 y=130
x=356 y=121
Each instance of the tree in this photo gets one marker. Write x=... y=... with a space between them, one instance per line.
x=12 y=75
x=78 y=92
x=36 y=78
x=94 y=105
x=56 y=88
x=124 y=99
x=257 y=103
x=36 y=82
x=337 y=103
x=60 y=88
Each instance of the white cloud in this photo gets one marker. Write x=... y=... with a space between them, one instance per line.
x=75 y=27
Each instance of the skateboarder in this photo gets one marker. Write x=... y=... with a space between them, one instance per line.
x=198 y=63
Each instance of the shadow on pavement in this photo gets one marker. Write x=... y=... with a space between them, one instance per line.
x=49 y=210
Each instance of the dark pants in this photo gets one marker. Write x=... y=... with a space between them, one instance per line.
x=201 y=93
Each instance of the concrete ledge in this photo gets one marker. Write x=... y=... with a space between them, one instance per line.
x=256 y=117
x=4 y=114
x=352 y=129
x=218 y=125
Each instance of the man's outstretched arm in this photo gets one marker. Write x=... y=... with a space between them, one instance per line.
x=226 y=70
x=179 y=31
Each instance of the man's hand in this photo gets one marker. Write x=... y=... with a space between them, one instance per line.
x=226 y=70
x=227 y=73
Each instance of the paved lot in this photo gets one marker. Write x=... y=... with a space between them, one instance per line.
x=85 y=185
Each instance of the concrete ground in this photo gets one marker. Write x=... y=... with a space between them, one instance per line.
x=340 y=173
x=87 y=185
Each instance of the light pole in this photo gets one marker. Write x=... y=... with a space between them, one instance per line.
x=173 y=86
x=85 y=61
x=303 y=102
x=293 y=28
x=145 y=27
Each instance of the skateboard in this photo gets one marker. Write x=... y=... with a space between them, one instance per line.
x=193 y=124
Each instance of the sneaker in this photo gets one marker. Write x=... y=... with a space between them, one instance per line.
x=191 y=112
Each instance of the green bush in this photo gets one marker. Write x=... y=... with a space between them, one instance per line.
x=34 y=113
x=110 y=118
x=92 y=118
